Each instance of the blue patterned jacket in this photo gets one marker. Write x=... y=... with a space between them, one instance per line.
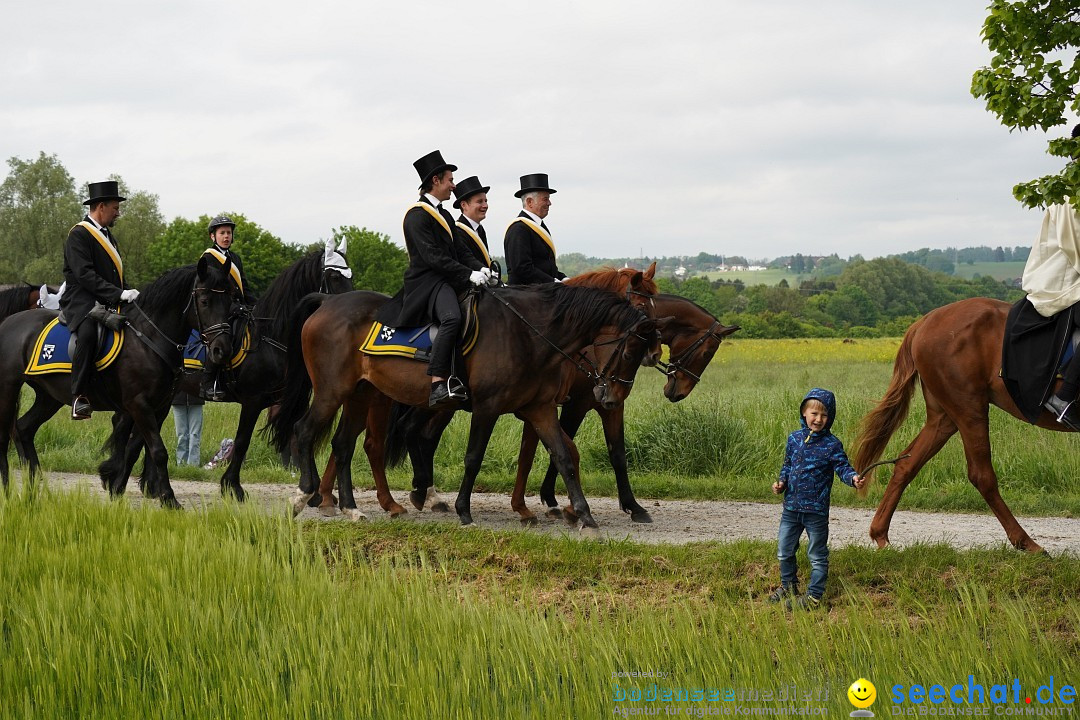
x=811 y=459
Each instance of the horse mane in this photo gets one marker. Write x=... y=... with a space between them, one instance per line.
x=612 y=280
x=283 y=295
x=14 y=299
x=588 y=308
x=165 y=292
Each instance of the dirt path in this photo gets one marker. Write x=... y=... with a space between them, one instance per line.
x=674 y=521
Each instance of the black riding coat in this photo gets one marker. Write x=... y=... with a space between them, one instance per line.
x=528 y=258
x=91 y=276
x=435 y=259
x=249 y=296
x=469 y=252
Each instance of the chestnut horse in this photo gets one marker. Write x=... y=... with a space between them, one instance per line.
x=515 y=367
x=16 y=298
x=955 y=353
x=421 y=430
x=693 y=336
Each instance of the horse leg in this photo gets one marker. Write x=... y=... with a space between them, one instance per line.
x=157 y=457
x=9 y=411
x=230 y=480
x=479 y=435
x=324 y=499
x=26 y=428
x=565 y=454
x=319 y=414
x=613 y=422
x=422 y=450
x=937 y=430
x=526 y=455
x=570 y=419
x=378 y=414
x=976 y=435
x=342 y=447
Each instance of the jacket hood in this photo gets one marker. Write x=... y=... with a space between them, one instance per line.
x=827 y=399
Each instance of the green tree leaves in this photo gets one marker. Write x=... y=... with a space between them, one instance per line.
x=38 y=205
x=1031 y=82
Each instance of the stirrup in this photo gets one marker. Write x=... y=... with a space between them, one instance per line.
x=456 y=388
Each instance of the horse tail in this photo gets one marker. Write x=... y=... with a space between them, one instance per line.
x=879 y=425
x=404 y=422
x=297 y=395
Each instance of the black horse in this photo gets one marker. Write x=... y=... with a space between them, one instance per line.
x=138 y=382
x=16 y=298
x=258 y=382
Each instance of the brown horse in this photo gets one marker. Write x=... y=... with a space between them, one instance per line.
x=420 y=431
x=955 y=352
x=16 y=298
x=515 y=367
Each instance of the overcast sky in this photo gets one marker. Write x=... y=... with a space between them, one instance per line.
x=752 y=128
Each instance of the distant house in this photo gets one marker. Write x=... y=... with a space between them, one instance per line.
x=680 y=271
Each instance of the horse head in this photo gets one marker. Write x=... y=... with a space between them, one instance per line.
x=636 y=338
x=693 y=337
x=215 y=299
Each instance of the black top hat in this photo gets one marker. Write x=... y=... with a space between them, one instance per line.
x=101 y=191
x=467 y=188
x=432 y=164
x=536 y=181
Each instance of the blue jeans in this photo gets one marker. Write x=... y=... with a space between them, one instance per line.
x=188 y=420
x=792 y=525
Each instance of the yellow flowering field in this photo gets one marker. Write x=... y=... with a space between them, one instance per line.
x=810 y=350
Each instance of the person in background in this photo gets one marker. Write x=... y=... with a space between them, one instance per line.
x=187 y=412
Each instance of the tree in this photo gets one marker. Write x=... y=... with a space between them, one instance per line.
x=1029 y=85
x=377 y=263
x=264 y=254
x=38 y=206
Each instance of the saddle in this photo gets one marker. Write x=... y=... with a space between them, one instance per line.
x=415 y=342
x=55 y=346
x=1034 y=352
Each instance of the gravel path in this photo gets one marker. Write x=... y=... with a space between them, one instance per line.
x=674 y=521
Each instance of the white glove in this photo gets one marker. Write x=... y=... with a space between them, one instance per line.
x=558 y=280
x=129 y=295
x=477 y=277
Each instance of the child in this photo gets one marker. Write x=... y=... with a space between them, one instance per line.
x=811 y=457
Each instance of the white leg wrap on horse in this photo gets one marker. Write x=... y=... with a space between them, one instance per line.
x=354 y=514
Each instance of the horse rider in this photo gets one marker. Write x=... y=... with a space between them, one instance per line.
x=221 y=231
x=93 y=276
x=473 y=203
x=530 y=252
x=438 y=270
x=1052 y=283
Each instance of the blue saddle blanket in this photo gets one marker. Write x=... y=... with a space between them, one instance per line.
x=195 y=352
x=411 y=342
x=52 y=355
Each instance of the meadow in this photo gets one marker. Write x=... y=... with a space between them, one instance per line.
x=723 y=442
x=110 y=610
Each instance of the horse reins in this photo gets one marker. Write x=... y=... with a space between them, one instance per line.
x=676 y=364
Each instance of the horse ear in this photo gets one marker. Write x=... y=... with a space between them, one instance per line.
x=328 y=251
x=650 y=273
x=341 y=247
x=662 y=323
x=728 y=329
x=200 y=268
x=635 y=279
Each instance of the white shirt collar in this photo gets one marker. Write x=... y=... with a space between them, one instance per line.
x=535 y=218
x=475 y=225
x=95 y=222
x=432 y=199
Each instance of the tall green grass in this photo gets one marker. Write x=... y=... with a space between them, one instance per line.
x=725 y=441
x=110 y=611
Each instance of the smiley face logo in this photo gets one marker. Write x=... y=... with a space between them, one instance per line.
x=862 y=693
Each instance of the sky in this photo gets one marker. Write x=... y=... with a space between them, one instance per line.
x=735 y=128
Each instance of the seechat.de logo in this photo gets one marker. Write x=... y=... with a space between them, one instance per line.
x=862 y=695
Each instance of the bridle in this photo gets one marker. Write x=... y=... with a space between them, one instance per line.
x=344 y=270
x=209 y=334
x=676 y=365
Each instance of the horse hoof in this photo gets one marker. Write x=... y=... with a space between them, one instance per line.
x=236 y=493
x=555 y=513
x=300 y=501
x=315 y=500
x=530 y=521
x=397 y=511
x=417 y=499
x=171 y=503
x=569 y=515
x=641 y=517
x=328 y=511
x=589 y=532
x=353 y=514
x=440 y=507
x=882 y=542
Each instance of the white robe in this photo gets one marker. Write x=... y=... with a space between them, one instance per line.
x=1052 y=274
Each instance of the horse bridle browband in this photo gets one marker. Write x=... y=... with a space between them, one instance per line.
x=675 y=365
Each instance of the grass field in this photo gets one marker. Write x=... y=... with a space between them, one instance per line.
x=723 y=442
x=109 y=611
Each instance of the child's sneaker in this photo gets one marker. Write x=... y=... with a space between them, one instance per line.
x=809 y=602
x=783 y=592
